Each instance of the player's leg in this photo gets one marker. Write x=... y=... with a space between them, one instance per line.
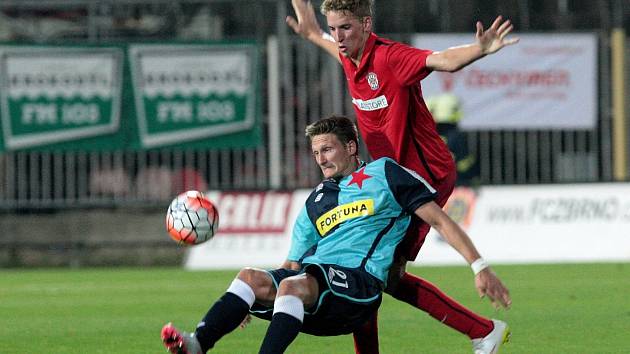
x=225 y=315
x=366 y=336
x=424 y=295
x=487 y=335
x=288 y=312
x=230 y=310
x=353 y=298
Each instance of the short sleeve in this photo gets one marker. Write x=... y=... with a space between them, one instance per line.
x=303 y=238
x=409 y=189
x=408 y=64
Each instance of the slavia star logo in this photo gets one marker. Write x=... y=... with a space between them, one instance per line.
x=358 y=178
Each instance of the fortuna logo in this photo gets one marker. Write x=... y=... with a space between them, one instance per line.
x=343 y=213
x=373 y=104
x=372 y=81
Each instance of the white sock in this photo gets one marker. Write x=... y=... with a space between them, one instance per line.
x=242 y=290
x=291 y=305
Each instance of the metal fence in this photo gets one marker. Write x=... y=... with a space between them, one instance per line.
x=303 y=84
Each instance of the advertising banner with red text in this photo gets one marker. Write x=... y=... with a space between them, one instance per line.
x=546 y=81
x=254 y=230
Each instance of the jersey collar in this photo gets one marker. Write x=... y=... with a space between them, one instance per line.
x=367 y=51
x=337 y=180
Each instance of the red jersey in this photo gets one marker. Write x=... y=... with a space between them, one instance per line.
x=391 y=114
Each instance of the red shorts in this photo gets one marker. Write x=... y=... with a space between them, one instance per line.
x=418 y=229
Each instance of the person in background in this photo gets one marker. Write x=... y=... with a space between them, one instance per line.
x=446 y=109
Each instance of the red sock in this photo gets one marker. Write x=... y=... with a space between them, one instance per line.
x=422 y=294
x=366 y=337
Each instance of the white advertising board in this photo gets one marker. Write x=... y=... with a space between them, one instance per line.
x=546 y=81
x=254 y=230
x=545 y=224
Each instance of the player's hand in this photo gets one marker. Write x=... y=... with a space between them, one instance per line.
x=493 y=39
x=245 y=321
x=306 y=24
x=489 y=285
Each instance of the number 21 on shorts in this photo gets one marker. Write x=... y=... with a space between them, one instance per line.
x=337 y=277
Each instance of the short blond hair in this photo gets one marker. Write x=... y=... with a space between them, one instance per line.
x=358 y=8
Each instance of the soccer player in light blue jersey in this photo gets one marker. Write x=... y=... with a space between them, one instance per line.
x=341 y=250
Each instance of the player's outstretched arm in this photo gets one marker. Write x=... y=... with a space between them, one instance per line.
x=487 y=41
x=486 y=282
x=307 y=27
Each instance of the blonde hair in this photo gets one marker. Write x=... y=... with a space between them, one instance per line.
x=358 y=8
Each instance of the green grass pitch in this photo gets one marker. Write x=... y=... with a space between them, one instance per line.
x=582 y=308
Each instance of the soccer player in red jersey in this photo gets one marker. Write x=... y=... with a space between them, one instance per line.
x=384 y=82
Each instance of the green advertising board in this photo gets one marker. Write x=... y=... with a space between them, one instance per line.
x=191 y=96
x=205 y=95
x=54 y=95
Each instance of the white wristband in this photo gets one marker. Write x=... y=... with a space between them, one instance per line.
x=479 y=265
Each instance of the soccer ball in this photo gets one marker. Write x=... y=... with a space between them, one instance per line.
x=192 y=218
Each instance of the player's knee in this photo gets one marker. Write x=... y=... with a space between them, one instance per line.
x=247 y=274
x=292 y=286
x=258 y=280
x=302 y=286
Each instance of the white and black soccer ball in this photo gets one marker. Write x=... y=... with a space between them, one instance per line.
x=192 y=218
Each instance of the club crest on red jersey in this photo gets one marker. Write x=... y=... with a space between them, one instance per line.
x=372 y=80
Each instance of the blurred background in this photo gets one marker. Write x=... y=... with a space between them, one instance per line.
x=108 y=113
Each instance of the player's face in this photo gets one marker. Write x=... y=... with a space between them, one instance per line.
x=333 y=157
x=349 y=32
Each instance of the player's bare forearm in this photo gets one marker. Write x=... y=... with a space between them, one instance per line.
x=452 y=233
x=305 y=25
x=454 y=58
x=328 y=44
x=331 y=48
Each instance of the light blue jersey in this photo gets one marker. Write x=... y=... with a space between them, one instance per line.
x=358 y=221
